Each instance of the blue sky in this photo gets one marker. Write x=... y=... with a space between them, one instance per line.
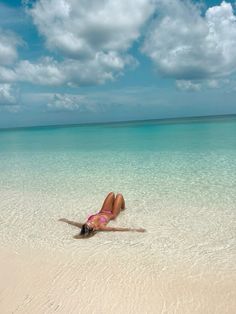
x=69 y=61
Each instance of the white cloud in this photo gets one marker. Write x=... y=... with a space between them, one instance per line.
x=78 y=102
x=96 y=102
x=85 y=28
x=188 y=85
x=92 y=41
x=45 y=72
x=217 y=83
x=186 y=45
x=6 y=95
x=92 y=37
x=8 y=98
x=65 y=102
x=213 y=83
x=48 y=71
x=8 y=47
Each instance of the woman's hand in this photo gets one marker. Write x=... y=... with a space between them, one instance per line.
x=140 y=230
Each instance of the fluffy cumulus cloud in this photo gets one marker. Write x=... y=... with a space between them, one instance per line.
x=8 y=47
x=186 y=45
x=45 y=72
x=89 y=42
x=92 y=40
x=83 y=29
x=48 y=71
x=92 y=37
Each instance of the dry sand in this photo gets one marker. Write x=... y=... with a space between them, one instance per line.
x=48 y=282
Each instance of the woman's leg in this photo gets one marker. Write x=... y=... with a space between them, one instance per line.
x=108 y=202
x=119 y=204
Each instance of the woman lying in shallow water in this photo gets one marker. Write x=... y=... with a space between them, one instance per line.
x=98 y=222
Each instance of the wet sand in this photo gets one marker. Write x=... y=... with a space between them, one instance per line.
x=36 y=282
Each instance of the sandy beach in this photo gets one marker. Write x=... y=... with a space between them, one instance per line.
x=42 y=282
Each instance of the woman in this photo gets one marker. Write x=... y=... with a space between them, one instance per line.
x=98 y=222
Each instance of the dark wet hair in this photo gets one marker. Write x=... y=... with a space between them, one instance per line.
x=86 y=231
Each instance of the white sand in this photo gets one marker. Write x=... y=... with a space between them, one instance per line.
x=35 y=281
x=183 y=264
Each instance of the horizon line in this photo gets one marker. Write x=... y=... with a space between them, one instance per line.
x=115 y=122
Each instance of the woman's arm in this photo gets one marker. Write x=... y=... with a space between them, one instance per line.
x=73 y=223
x=105 y=228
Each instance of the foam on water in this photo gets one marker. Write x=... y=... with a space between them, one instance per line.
x=178 y=179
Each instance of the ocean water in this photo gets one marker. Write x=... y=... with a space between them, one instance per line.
x=178 y=178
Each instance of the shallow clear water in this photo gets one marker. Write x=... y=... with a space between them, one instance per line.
x=178 y=179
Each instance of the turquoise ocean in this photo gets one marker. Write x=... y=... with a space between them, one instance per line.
x=178 y=178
